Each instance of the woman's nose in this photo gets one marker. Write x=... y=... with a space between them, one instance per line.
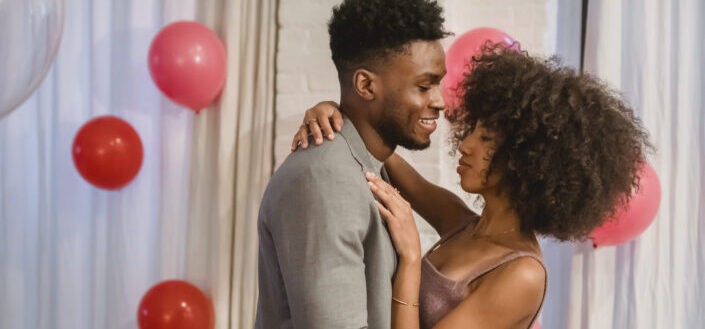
x=465 y=146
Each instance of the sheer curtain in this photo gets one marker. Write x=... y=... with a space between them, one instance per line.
x=653 y=51
x=233 y=159
x=73 y=256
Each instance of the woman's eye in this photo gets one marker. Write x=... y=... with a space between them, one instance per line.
x=424 y=88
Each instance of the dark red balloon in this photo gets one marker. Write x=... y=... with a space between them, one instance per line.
x=187 y=61
x=175 y=304
x=107 y=152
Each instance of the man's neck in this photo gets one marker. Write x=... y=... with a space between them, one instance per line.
x=369 y=134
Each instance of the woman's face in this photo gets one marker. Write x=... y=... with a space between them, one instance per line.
x=477 y=150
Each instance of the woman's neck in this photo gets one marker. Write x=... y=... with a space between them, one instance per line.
x=497 y=218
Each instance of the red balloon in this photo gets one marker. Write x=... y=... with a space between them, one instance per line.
x=187 y=62
x=107 y=152
x=631 y=221
x=175 y=304
x=460 y=54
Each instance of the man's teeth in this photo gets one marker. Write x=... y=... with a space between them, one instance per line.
x=427 y=121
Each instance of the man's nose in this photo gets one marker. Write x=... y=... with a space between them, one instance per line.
x=437 y=101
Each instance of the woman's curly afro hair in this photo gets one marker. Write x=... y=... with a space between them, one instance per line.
x=569 y=148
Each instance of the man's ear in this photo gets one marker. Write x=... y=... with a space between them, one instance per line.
x=364 y=83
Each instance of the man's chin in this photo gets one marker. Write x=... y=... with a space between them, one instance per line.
x=415 y=145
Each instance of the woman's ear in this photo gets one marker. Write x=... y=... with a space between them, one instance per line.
x=364 y=83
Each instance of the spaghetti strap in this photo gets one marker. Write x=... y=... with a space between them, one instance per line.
x=506 y=259
x=510 y=256
x=447 y=237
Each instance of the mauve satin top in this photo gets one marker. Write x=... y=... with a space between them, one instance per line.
x=440 y=295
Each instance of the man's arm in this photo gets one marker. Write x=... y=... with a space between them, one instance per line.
x=323 y=220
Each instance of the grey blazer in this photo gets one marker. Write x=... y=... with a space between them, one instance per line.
x=325 y=257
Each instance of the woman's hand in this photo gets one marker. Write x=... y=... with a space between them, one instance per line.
x=400 y=220
x=317 y=121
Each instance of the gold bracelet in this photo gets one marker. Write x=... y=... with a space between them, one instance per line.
x=405 y=303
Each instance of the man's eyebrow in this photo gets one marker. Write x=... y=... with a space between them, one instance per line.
x=430 y=76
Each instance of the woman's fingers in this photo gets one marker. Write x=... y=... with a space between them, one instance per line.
x=300 y=138
x=386 y=214
x=324 y=120
x=389 y=196
x=329 y=112
x=386 y=197
x=337 y=120
x=314 y=129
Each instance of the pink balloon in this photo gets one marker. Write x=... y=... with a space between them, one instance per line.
x=187 y=61
x=537 y=325
x=460 y=54
x=631 y=221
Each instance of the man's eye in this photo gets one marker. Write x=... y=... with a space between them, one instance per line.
x=424 y=88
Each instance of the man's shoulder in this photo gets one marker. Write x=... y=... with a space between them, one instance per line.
x=319 y=162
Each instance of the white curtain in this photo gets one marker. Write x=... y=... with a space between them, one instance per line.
x=73 y=256
x=233 y=159
x=653 y=51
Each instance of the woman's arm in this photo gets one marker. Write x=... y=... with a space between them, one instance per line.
x=508 y=297
x=439 y=207
x=396 y=212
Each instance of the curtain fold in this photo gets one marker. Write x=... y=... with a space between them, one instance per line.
x=232 y=160
x=73 y=256
x=653 y=52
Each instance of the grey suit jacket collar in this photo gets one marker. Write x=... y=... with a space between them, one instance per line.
x=358 y=149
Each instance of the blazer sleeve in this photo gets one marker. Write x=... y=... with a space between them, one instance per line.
x=324 y=217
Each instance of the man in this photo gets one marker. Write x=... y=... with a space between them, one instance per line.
x=326 y=259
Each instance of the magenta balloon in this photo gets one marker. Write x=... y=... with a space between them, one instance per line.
x=187 y=61
x=460 y=54
x=628 y=223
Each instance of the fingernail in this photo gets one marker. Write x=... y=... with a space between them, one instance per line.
x=369 y=174
x=331 y=136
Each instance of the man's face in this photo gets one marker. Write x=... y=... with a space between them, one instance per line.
x=411 y=95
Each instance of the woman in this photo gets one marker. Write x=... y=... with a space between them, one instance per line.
x=551 y=152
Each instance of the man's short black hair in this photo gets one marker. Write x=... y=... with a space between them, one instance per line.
x=363 y=32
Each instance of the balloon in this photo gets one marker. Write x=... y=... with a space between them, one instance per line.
x=107 y=152
x=187 y=62
x=537 y=325
x=631 y=221
x=175 y=304
x=30 y=34
x=459 y=55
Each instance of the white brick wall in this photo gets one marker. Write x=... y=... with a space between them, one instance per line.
x=306 y=74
